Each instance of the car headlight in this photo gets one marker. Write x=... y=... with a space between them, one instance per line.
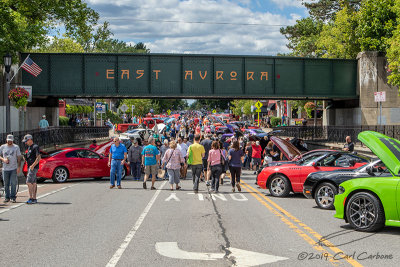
x=341 y=189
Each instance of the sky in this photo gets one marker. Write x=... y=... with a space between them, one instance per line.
x=231 y=27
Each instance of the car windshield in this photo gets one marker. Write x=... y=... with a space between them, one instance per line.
x=377 y=168
x=259 y=131
x=52 y=153
x=311 y=158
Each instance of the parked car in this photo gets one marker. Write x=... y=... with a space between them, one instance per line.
x=71 y=163
x=300 y=158
x=323 y=186
x=281 y=180
x=138 y=133
x=371 y=202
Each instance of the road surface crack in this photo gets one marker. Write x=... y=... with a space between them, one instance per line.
x=227 y=245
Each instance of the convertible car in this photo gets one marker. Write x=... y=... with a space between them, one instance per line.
x=71 y=163
x=323 y=186
x=369 y=203
x=281 y=180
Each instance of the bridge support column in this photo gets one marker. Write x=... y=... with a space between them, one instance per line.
x=372 y=76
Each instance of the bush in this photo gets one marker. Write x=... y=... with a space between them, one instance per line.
x=63 y=121
x=275 y=121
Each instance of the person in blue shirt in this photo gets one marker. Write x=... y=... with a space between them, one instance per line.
x=116 y=161
x=150 y=160
x=43 y=123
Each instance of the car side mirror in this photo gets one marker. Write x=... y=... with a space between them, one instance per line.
x=314 y=164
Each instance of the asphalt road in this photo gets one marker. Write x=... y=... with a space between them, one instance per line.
x=84 y=223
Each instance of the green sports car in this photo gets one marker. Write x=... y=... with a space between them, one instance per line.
x=371 y=202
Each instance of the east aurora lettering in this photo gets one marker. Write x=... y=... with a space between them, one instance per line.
x=126 y=74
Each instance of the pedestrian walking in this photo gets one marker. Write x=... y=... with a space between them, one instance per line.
x=182 y=147
x=150 y=160
x=215 y=162
x=206 y=143
x=32 y=158
x=248 y=159
x=116 y=161
x=173 y=161
x=224 y=165
x=235 y=157
x=10 y=155
x=195 y=156
x=135 y=159
x=256 y=155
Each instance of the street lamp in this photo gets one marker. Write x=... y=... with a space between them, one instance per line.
x=7 y=65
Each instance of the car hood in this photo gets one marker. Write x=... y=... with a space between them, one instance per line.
x=386 y=148
x=287 y=148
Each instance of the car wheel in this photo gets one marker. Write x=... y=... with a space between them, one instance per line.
x=365 y=213
x=279 y=186
x=60 y=175
x=41 y=180
x=123 y=173
x=325 y=195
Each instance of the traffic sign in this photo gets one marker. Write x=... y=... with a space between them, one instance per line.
x=124 y=108
x=214 y=111
x=169 y=112
x=258 y=110
x=380 y=96
x=258 y=104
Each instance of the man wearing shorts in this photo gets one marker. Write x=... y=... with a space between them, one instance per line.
x=32 y=158
x=150 y=159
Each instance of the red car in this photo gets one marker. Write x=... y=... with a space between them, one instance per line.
x=72 y=163
x=281 y=180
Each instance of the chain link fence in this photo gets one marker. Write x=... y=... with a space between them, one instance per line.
x=336 y=134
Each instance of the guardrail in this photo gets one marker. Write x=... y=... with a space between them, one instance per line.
x=336 y=133
x=58 y=135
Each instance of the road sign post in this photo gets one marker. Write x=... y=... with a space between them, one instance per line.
x=380 y=97
x=169 y=112
x=258 y=110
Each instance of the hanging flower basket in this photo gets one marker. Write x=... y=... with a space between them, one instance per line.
x=19 y=97
x=309 y=106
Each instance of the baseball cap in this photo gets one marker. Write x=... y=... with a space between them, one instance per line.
x=10 y=137
x=27 y=137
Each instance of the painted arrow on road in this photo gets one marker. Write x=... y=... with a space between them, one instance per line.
x=242 y=257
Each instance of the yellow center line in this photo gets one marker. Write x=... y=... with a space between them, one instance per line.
x=319 y=237
x=307 y=238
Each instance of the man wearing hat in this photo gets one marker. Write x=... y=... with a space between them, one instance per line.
x=43 y=123
x=10 y=156
x=32 y=158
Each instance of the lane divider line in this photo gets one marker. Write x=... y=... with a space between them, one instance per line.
x=118 y=254
x=319 y=237
x=306 y=237
x=39 y=197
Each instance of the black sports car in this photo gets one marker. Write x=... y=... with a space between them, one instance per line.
x=323 y=186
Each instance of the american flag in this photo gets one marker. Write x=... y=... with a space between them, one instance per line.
x=31 y=67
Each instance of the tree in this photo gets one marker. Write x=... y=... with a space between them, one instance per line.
x=211 y=104
x=162 y=105
x=303 y=36
x=325 y=10
x=26 y=24
x=242 y=107
x=60 y=45
x=338 y=38
x=142 y=106
x=393 y=52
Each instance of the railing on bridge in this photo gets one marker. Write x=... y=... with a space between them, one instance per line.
x=336 y=133
x=58 y=135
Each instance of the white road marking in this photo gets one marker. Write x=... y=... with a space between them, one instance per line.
x=220 y=196
x=241 y=257
x=242 y=197
x=201 y=197
x=39 y=197
x=118 y=254
x=172 y=196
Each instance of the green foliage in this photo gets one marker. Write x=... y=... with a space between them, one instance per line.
x=60 y=45
x=275 y=121
x=393 y=52
x=210 y=104
x=114 y=118
x=338 y=38
x=237 y=106
x=26 y=24
x=142 y=106
x=303 y=36
x=326 y=10
x=162 y=105
x=73 y=110
x=63 y=121
x=309 y=107
x=376 y=23
x=297 y=104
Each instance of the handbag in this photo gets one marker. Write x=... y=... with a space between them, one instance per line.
x=222 y=158
x=190 y=157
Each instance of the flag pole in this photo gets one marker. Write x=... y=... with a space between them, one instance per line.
x=19 y=68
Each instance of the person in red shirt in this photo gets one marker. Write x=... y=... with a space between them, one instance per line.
x=256 y=155
x=93 y=146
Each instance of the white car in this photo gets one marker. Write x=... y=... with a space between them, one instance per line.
x=138 y=133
